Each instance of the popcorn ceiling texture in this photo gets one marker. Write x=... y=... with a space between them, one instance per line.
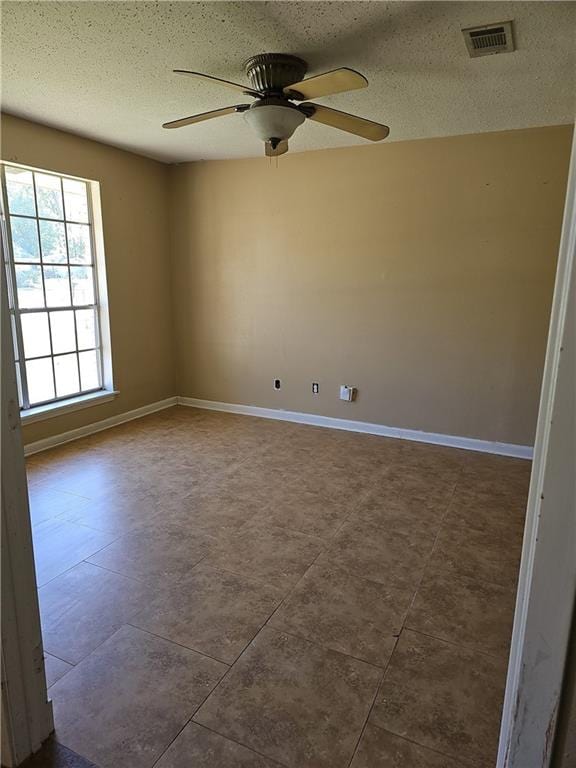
x=103 y=70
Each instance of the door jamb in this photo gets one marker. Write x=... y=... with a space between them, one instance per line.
x=538 y=650
x=26 y=711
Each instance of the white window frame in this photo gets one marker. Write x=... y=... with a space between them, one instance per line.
x=106 y=392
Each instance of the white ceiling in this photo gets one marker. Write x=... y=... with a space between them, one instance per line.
x=103 y=69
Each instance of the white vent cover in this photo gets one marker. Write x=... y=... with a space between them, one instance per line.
x=489 y=39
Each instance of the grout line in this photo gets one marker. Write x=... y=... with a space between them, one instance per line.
x=315 y=643
x=84 y=560
x=419 y=744
x=221 y=568
x=175 y=642
x=396 y=643
x=252 y=640
x=242 y=576
x=373 y=704
x=441 y=570
x=169 y=584
x=455 y=644
x=222 y=736
x=427 y=562
x=49 y=653
x=118 y=573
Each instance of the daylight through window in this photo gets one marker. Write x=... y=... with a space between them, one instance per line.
x=52 y=283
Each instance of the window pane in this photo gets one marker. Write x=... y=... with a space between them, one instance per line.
x=86 y=328
x=40 y=381
x=20 y=191
x=66 y=372
x=24 y=239
x=29 y=285
x=57 y=286
x=82 y=285
x=75 y=200
x=49 y=196
x=53 y=240
x=36 y=334
x=62 y=327
x=89 y=370
x=79 y=243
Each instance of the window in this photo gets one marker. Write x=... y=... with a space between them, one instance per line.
x=53 y=285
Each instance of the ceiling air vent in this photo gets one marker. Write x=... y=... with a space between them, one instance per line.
x=486 y=40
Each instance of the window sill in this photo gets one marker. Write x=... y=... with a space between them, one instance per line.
x=41 y=412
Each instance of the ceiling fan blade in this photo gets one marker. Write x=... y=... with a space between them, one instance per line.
x=336 y=81
x=227 y=83
x=205 y=116
x=368 y=129
x=280 y=149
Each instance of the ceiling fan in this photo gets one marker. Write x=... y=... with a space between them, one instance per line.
x=276 y=83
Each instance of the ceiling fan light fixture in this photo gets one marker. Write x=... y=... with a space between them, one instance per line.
x=273 y=121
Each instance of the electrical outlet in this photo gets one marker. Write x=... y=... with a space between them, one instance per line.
x=347 y=393
x=315 y=387
x=277 y=383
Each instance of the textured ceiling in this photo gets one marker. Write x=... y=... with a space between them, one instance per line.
x=103 y=69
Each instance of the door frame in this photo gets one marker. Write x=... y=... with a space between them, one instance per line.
x=26 y=711
x=547 y=580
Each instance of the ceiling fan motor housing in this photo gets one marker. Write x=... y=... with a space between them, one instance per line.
x=272 y=72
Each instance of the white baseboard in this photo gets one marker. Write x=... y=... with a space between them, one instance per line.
x=98 y=426
x=450 y=441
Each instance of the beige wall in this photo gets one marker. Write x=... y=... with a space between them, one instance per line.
x=134 y=209
x=420 y=272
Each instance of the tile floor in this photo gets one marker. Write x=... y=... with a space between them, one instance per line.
x=221 y=591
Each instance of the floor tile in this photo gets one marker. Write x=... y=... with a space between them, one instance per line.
x=198 y=747
x=492 y=468
x=155 y=554
x=442 y=697
x=272 y=554
x=215 y=509
x=188 y=478
x=432 y=485
x=380 y=749
x=399 y=512
x=391 y=556
x=470 y=613
x=214 y=612
x=344 y=484
x=125 y=703
x=484 y=512
x=115 y=512
x=59 y=545
x=46 y=503
x=483 y=555
x=314 y=513
x=293 y=701
x=84 y=606
x=345 y=613
x=94 y=478
x=54 y=668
